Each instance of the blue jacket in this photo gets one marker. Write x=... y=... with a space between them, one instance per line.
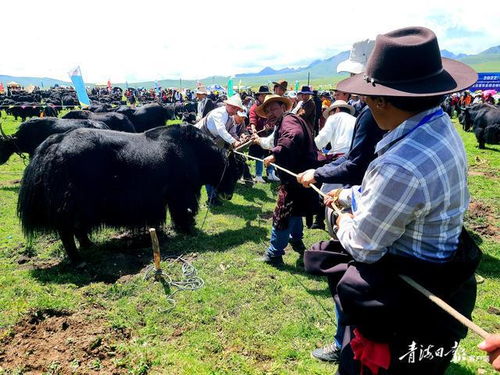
x=350 y=168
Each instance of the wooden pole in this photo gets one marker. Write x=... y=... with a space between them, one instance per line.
x=442 y=304
x=316 y=189
x=156 y=249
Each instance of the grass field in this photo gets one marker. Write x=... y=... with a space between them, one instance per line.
x=248 y=318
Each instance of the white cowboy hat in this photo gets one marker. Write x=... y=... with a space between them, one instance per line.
x=235 y=101
x=201 y=91
x=338 y=104
x=358 y=57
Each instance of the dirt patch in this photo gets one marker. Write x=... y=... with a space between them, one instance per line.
x=10 y=183
x=482 y=220
x=58 y=342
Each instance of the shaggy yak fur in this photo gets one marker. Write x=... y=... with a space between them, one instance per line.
x=115 y=121
x=87 y=179
x=32 y=133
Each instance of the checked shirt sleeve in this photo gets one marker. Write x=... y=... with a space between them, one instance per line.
x=390 y=199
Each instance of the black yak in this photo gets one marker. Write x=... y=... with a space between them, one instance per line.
x=151 y=115
x=115 y=121
x=484 y=120
x=32 y=133
x=86 y=179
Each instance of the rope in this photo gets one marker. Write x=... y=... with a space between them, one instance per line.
x=432 y=297
x=315 y=188
x=190 y=280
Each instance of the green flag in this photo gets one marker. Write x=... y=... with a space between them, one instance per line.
x=296 y=85
x=230 y=90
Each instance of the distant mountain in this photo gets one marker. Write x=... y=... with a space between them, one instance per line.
x=321 y=73
x=26 y=81
x=451 y=55
x=491 y=51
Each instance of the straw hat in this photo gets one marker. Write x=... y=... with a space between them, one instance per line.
x=408 y=63
x=201 y=91
x=260 y=110
x=235 y=101
x=338 y=104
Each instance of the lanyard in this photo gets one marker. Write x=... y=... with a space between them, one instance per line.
x=423 y=121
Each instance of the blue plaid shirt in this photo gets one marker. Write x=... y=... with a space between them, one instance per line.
x=413 y=196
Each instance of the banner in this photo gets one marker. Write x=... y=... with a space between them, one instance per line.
x=2 y=89
x=230 y=89
x=296 y=85
x=487 y=81
x=77 y=79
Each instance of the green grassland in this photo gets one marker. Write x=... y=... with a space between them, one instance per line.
x=248 y=318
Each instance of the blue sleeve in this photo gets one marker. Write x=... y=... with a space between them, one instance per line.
x=350 y=169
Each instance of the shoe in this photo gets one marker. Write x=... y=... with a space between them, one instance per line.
x=272 y=177
x=259 y=179
x=298 y=246
x=317 y=225
x=273 y=261
x=329 y=353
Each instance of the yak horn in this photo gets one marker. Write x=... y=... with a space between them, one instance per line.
x=5 y=136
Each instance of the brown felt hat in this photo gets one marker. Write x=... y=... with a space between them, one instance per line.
x=260 y=110
x=282 y=84
x=407 y=62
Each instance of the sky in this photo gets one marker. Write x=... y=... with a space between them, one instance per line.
x=147 y=40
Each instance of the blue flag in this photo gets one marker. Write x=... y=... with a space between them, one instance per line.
x=76 y=78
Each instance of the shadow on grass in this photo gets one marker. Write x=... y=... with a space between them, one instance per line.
x=128 y=255
x=14 y=189
x=253 y=195
x=244 y=211
x=489 y=266
x=456 y=369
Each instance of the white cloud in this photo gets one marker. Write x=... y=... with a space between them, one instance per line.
x=145 y=40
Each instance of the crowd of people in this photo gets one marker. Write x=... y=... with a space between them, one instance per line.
x=385 y=153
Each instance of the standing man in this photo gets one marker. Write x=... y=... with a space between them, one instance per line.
x=293 y=149
x=346 y=171
x=338 y=128
x=258 y=126
x=308 y=109
x=280 y=87
x=407 y=215
x=205 y=104
x=219 y=125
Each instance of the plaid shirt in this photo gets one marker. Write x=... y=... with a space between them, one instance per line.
x=413 y=196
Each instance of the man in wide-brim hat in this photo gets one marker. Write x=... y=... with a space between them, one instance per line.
x=308 y=109
x=219 y=125
x=258 y=126
x=280 y=87
x=291 y=146
x=406 y=217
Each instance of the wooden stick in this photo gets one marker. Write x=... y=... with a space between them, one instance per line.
x=315 y=188
x=156 y=249
x=250 y=141
x=450 y=310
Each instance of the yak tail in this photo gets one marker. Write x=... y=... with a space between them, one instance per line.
x=39 y=197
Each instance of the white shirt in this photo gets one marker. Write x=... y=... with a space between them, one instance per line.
x=216 y=124
x=338 y=130
x=297 y=107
